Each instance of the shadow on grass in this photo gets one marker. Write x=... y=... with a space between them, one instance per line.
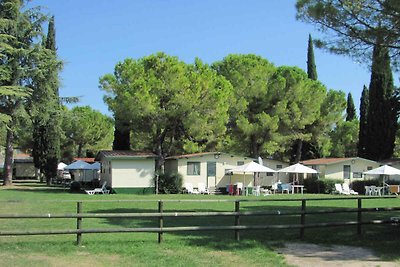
x=383 y=239
x=38 y=187
x=48 y=190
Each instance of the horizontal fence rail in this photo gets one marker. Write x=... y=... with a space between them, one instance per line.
x=191 y=228
x=185 y=214
x=237 y=214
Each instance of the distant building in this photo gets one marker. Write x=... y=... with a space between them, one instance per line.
x=23 y=167
x=212 y=169
x=345 y=169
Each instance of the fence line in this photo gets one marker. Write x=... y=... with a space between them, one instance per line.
x=208 y=200
x=236 y=227
x=187 y=214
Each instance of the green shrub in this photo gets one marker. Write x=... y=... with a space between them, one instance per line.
x=313 y=185
x=330 y=185
x=169 y=183
x=320 y=186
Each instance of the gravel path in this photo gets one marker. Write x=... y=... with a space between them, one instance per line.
x=310 y=255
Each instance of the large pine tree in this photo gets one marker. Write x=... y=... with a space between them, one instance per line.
x=363 y=134
x=20 y=61
x=351 y=109
x=382 y=114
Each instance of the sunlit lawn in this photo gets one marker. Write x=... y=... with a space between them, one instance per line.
x=218 y=248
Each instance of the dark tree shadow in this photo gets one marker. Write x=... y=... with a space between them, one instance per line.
x=383 y=239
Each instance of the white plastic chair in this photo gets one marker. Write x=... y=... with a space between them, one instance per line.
x=202 y=189
x=339 y=190
x=190 y=189
x=102 y=190
x=274 y=187
x=368 y=190
x=348 y=191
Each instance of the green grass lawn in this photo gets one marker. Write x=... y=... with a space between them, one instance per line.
x=256 y=248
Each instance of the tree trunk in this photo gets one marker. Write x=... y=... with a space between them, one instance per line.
x=79 y=150
x=8 y=161
x=298 y=150
x=253 y=146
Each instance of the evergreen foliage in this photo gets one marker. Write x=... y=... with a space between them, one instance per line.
x=311 y=67
x=352 y=26
x=21 y=56
x=169 y=183
x=174 y=107
x=345 y=139
x=253 y=126
x=121 y=135
x=86 y=130
x=306 y=149
x=382 y=113
x=45 y=110
x=363 y=128
x=351 y=109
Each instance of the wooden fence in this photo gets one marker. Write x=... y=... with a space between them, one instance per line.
x=237 y=214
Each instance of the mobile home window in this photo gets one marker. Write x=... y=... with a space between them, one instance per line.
x=279 y=166
x=240 y=163
x=357 y=174
x=193 y=168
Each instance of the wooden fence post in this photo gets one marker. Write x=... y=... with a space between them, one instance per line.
x=79 y=223
x=161 y=221
x=359 y=217
x=302 y=218
x=237 y=219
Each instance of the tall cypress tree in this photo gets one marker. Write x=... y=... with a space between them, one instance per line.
x=300 y=148
x=311 y=67
x=382 y=114
x=46 y=111
x=363 y=134
x=351 y=109
x=53 y=126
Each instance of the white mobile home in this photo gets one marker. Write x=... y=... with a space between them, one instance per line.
x=212 y=169
x=345 y=169
x=127 y=171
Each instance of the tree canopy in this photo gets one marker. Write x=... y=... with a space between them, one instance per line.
x=172 y=106
x=252 y=125
x=86 y=130
x=352 y=26
x=21 y=59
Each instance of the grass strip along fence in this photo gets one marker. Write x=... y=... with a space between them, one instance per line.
x=237 y=214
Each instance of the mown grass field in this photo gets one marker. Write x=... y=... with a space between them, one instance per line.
x=218 y=248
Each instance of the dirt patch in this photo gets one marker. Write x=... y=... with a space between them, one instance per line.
x=79 y=259
x=303 y=254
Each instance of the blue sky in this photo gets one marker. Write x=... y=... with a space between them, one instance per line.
x=94 y=35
